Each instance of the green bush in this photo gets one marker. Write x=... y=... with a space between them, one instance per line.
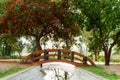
x=101 y=59
x=114 y=60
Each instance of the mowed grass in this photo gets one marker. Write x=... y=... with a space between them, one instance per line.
x=101 y=72
x=11 y=71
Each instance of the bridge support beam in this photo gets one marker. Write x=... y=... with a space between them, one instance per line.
x=59 y=54
x=84 y=60
x=46 y=55
x=32 y=57
x=72 y=56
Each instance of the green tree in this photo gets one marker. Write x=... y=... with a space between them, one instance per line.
x=102 y=16
x=6 y=49
x=94 y=44
x=8 y=45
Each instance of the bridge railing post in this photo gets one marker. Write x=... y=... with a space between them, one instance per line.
x=72 y=56
x=59 y=54
x=84 y=60
x=32 y=56
x=46 y=57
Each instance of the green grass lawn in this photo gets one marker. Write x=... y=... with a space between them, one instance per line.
x=101 y=72
x=11 y=71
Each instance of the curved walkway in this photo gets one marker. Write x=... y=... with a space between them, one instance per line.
x=32 y=73
x=47 y=72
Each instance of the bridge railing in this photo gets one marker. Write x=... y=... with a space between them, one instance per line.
x=51 y=55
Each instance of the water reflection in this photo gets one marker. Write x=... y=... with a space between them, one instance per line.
x=59 y=71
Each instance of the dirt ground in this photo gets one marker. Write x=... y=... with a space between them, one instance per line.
x=114 y=69
x=5 y=65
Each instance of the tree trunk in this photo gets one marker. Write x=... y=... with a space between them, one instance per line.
x=107 y=57
x=3 y=52
x=96 y=55
x=20 y=56
x=38 y=47
x=107 y=60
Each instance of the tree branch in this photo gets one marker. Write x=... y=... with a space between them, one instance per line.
x=116 y=39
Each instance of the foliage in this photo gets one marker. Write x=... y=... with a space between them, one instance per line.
x=103 y=19
x=100 y=71
x=39 y=18
x=5 y=48
x=9 y=44
x=3 y=3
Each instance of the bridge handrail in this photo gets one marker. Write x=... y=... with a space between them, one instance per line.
x=40 y=52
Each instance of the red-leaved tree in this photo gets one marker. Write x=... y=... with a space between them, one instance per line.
x=39 y=18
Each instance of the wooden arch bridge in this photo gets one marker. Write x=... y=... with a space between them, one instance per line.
x=57 y=55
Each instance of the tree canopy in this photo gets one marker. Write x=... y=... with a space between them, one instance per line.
x=60 y=18
x=102 y=17
x=39 y=18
